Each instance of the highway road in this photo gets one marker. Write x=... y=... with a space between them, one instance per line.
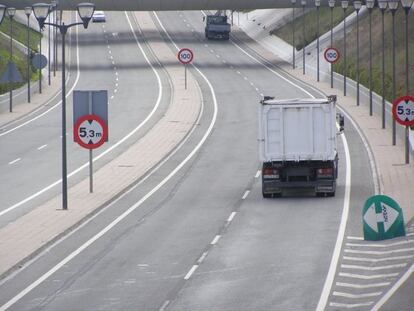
x=99 y=59
x=205 y=239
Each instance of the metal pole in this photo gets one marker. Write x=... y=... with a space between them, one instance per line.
x=63 y=30
x=54 y=43
x=40 y=70
x=370 y=61
x=344 y=71
x=185 y=76
x=90 y=152
x=11 y=60
x=407 y=87
x=383 y=70
x=293 y=35
x=48 y=54
x=357 y=71
x=304 y=39
x=331 y=46
x=394 y=125
x=28 y=59
x=317 y=44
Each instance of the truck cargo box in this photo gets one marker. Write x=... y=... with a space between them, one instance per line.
x=297 y=130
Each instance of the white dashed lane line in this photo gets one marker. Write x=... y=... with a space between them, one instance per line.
x=245 y=195
x=231 y=217
x=215 y=240
x=190 y=273
x=14 y=161
x=42 y=147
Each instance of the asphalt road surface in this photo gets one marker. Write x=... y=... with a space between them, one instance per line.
x=206 y=240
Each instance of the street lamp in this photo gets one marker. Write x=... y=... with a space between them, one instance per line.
x=344 y=5
x=357 y=7
x=10 y=14
x=317 y=4
x=85 y=12
x=370 y=5
x=293 y=32
x=406 y=4
x=54 y=9
x=303 y=2
x=331 y=6
x=393 y=5
x=382 y=4
x=28 y=12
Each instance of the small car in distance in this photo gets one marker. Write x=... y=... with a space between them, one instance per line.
x=98 y=17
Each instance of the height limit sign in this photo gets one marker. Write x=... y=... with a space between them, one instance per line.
x=90 y=131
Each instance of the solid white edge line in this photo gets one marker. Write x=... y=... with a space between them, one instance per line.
x=160 y=91
x=190 y=273
x=56 y=95
x=323 y=300
x=393 y=289
x=129 y=210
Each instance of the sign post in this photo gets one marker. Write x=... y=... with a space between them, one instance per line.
x=90 y=117
x=403 y=113
x=382 y=219
x=185 y=56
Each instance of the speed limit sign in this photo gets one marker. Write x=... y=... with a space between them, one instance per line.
x=403 y=110
x=331 y=55
x=90 y=131
x=185 y=56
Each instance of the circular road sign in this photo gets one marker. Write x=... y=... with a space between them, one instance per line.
x=39 y=61
x=403 y=110
x=185 y=56
x=90 y=131
x=331 y=55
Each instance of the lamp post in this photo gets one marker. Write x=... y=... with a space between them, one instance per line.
x=293 y=32
x=393 y=5
x=48 y=50
x=406 y=4
x=10 y=14
x=344 y=5
x=28 y=12
x=331 y=6
x=382 y=4
x=85 y=11
x=303 y=2
x=54 y=8
x=370 y=5
x=357 y=7
x=317 y=4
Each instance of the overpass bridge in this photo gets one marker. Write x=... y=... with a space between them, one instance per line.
x=168 y=5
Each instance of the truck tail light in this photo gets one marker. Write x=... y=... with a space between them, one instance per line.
x=323 y=172
x=270 y=173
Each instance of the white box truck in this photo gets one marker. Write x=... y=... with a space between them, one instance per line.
x=297 y=145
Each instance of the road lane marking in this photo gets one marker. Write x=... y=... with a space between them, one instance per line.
x=114 y=146
x=231 y=217
x=201 y=259
x=164 y=305
x=361 y=286
x=379 y=259
x=380 y=245
x=258 y=174
x=190 y=273
x=368 y=277
x=350 y=305
x=216 y=239
x=56 y=95
x=42 y=147
x=14 y=161
x=62 y=263
x=245 y=195
x=402 y=250
x=402 y=265
x=356 y=296
x=394 y=288
x=355 y=238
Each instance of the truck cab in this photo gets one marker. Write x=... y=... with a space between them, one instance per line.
x=217 y=27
